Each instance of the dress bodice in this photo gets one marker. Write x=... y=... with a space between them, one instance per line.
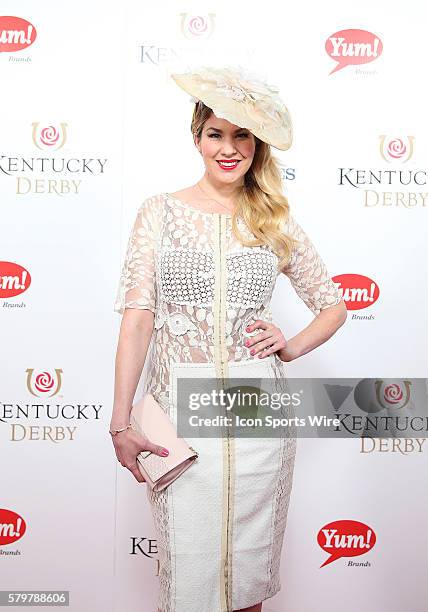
x=203 y=286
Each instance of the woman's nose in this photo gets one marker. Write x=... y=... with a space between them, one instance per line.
x=228 y=149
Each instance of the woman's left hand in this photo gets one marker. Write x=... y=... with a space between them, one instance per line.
x=270 y=340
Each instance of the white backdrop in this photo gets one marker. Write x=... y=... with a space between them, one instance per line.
x=93 y=92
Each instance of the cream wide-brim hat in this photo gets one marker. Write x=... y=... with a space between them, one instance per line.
x=241 y=98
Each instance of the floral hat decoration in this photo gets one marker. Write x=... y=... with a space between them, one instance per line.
x=243 y=98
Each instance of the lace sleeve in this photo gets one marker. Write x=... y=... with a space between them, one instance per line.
x=137 y=279
x=307 y=272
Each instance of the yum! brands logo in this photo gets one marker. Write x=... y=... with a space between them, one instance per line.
x=352 y=48
x=346 y=538
x=12 y=526
x=16 y=33
x=358 y=292
x=14 y=280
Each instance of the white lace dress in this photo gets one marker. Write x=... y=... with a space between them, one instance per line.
x=220 y=525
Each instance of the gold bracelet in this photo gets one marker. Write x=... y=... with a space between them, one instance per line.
x=116 y=431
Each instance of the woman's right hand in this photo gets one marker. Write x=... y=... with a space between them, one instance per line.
x=128 y=444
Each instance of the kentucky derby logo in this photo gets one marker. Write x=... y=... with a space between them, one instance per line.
x=43 y=384
x=372 y=395
x=396 y=149
x=51 y=137
x=197 y=26
x=393 y=395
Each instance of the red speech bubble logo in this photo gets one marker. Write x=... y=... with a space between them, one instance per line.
x=14 y=279
x=345 y=539
x=353 y=47
x=16 y=33
x=358 y=291
x=12 y=526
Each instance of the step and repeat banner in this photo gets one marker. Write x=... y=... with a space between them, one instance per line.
x=91 y=125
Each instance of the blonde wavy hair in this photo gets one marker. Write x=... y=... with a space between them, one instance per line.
x=260 y=201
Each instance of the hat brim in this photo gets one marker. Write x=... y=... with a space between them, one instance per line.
x=275 y=130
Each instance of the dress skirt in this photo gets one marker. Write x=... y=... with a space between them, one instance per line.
x=220 y=525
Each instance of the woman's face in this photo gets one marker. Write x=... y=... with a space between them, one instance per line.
x=221 y=140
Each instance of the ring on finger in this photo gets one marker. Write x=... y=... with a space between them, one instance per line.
x=266 y=348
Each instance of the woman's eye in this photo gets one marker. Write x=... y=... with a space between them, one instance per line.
x=241 y=134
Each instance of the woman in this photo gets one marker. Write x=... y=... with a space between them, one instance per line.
x=197 y=279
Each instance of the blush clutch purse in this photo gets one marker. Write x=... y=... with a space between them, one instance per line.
x=148 y=418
